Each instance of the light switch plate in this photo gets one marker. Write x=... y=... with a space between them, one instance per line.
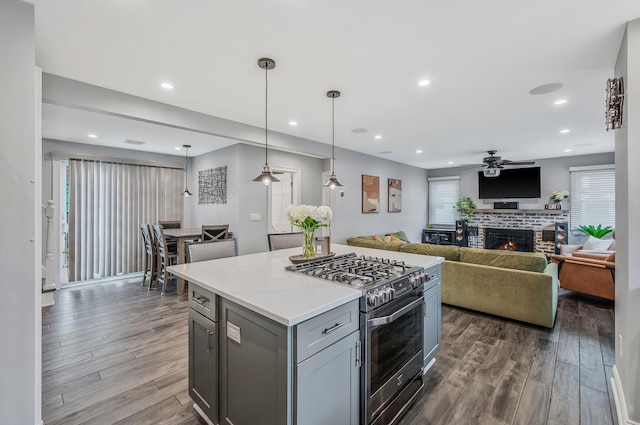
x=233 y=332
x=255 y=216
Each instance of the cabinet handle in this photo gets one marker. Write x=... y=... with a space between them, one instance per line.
x=358 y=354
x=200 y=301
x=209 y=335
x=333 y=328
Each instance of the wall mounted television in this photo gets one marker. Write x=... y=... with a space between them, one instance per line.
x=511 y=183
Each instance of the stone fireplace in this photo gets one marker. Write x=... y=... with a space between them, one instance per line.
x=532 y=220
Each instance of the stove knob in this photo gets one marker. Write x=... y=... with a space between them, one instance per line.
x=391 y=293
x=371 y=299
x=423 y=278
x=413 y=281
x=385 y=295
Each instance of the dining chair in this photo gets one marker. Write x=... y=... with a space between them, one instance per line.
x=150 y=265
x=211 y=250
x=170 y=224
x=285 y=240
x=166 y=258
x=214 y=232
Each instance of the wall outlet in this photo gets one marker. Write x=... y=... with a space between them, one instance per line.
x=255 y=216
x=233 y=332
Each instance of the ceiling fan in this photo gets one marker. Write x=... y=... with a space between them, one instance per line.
x=493 y=164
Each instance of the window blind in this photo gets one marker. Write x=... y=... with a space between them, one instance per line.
x=107 y=203
x=443 y=195
x=593 y=196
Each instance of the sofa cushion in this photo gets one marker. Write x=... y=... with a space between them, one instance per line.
x=369 y=242
x=393 y=238
x=529 y=261
x=449 y=252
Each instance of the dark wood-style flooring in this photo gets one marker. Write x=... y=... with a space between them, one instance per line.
x=115 y=353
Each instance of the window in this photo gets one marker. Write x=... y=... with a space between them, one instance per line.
x=443 y=195
x=593 y=196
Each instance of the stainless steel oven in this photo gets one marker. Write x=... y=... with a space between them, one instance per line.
x=394 y=339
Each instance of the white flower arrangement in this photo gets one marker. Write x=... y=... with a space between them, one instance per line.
x=558 y=196
x=309 y=217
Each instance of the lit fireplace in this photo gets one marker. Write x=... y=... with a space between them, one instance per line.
x=509 y=239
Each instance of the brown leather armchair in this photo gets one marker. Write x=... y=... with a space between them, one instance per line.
x=591 y=274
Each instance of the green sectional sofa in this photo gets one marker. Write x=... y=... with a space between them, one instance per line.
x=516 y=285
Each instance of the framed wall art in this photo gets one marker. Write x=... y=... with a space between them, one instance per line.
x=370 y=194
x=395 y=195
x=212 y=186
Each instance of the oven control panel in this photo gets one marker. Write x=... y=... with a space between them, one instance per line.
x=390 y=291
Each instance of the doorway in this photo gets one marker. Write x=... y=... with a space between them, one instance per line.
x=283 y=193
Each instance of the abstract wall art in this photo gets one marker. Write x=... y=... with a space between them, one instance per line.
x=395 y=195
x=212 y=186
x=370 y=194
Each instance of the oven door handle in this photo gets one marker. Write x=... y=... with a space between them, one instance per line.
x=392 y=317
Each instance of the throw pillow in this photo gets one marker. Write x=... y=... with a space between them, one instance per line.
x=393 y=239
x=377 y=238
x=400 y=235
x=595 y=244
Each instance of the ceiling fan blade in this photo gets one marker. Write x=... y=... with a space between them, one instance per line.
x=507 y=162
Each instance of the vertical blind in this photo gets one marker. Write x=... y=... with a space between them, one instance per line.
x=107 y=203
x=443 y=195
x=593 y=196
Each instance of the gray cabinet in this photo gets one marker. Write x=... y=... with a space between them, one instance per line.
x=432 y=316
x=203 y=364
x=253 y=368
x=270 y=374
x=203 y=351
x=327 y=379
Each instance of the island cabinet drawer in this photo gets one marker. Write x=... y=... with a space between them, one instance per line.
x=203 y=301
x=321 y=331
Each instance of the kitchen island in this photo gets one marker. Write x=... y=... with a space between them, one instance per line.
x=274 y=347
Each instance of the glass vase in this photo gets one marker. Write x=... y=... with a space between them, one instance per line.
x=308 y=250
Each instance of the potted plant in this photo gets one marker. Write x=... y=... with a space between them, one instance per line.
x=596 y=232
x=465 y=205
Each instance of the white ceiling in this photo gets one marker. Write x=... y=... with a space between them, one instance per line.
x=482 y=58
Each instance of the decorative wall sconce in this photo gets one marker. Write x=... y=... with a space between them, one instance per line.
x=614 y=103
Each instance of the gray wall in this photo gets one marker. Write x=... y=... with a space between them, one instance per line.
x=554 y=175
x=20 y=305
x=348 y=219
x=627 y=235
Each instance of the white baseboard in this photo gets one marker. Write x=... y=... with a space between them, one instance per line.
x=429 y=366
x=621 y=404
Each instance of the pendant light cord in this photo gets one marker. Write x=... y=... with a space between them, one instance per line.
x=333 y=135
x=266 y=109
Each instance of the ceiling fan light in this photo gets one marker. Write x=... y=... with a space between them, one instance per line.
x=491 y=172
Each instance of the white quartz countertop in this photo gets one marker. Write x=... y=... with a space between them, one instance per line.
x=259 y=282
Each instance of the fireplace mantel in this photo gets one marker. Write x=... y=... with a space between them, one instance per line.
x=518 y=211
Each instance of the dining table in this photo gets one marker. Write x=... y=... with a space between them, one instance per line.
x=181 y=236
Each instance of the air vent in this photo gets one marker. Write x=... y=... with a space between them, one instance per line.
x=135 y=142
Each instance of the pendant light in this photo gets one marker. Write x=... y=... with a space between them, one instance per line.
x=333 y=180
x=186 y=171
x=265 y=176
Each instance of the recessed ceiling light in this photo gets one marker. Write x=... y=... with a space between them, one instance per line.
x=419 y=151
x=567 y=150
x=423 y=83
x=450 y=162
x=560 y=102
x=293 y=123
x=377 y=137
x=547 y=88
x=177 y=148
x=565 y=131
x=359 y=130
x=167 y=86
x=93 y=136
